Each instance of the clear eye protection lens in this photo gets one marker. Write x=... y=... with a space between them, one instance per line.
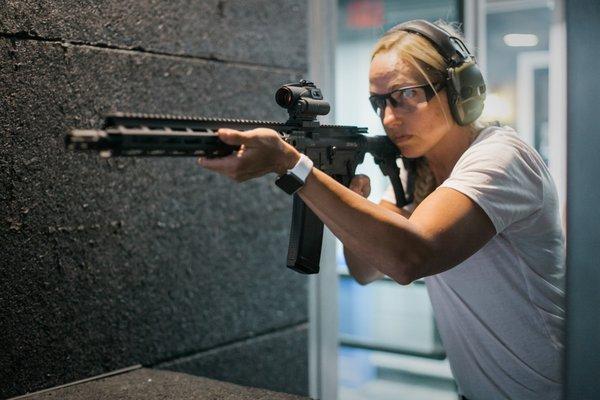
x=378 y=104
x=405 y=100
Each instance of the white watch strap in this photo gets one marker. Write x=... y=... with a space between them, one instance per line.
x=302 y=167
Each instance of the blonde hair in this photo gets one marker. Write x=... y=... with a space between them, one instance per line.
x=427 y=60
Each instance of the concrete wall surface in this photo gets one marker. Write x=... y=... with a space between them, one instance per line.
x=110 y=263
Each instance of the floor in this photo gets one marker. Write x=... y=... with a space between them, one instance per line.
x=368 y=375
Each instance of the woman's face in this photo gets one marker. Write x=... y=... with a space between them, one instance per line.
x=415 y=130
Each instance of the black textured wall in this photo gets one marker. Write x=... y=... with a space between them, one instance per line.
x=109 y=263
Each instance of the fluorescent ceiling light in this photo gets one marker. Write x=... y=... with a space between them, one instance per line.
x=520 y=40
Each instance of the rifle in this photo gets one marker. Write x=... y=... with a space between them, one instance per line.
x=334 y=149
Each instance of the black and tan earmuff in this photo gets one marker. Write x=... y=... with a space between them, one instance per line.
x=464 y=82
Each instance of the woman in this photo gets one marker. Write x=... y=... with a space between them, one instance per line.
x=484 y=231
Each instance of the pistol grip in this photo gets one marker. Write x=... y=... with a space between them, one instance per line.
x=306 y=237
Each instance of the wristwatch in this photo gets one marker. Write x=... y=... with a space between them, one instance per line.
x=295 y=178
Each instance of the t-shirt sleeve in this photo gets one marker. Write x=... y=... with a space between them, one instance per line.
x=503 y=178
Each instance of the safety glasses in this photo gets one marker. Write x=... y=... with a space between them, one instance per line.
x=405 y=99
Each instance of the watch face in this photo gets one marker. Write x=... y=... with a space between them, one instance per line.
x=290 y=183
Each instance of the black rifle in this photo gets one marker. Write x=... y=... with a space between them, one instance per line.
x=335 y=150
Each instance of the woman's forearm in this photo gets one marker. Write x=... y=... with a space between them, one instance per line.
x=385 y=238
x=360 y=269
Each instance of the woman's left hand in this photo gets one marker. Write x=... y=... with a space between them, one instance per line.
x=262 y=151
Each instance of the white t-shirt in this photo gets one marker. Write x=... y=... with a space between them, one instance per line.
x=500 y=313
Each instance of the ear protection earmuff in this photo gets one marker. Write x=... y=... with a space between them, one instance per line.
x=464 y=82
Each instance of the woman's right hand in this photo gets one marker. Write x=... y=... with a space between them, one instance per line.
x=361 y=184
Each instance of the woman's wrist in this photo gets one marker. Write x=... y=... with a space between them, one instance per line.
x=288 y=160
